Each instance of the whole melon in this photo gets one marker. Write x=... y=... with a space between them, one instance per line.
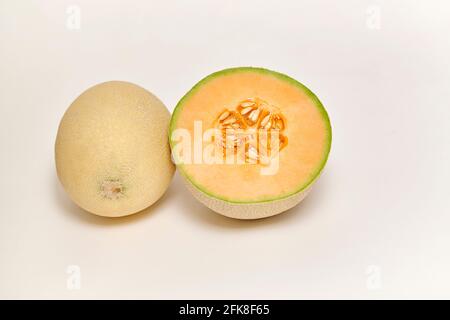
x=112 y=152
x=259 y=141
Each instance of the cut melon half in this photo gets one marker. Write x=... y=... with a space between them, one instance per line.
x=250 y=142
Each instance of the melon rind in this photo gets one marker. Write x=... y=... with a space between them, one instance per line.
x=114 y=133
x=260 y=208
x=249 y=210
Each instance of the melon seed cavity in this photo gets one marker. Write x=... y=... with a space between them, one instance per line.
x=243 y=125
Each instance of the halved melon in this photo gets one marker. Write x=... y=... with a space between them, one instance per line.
x=250 y=142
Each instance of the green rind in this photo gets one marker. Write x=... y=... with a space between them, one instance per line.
x=282 y=76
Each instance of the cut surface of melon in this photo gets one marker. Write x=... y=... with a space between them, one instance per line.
x=260 y=117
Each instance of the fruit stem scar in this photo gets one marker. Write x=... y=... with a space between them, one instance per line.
x=111 y=189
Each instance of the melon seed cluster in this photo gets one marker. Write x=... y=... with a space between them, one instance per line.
x=250 y=128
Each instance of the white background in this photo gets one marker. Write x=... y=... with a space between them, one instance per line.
x=377 y=223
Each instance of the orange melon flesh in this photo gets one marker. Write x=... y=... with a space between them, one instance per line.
x=307 y=129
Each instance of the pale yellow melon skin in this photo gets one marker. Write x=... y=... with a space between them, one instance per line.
x=114 y=131
x=247 y=211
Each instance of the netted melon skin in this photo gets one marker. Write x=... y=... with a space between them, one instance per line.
x=112 y=153
x=247 y=211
